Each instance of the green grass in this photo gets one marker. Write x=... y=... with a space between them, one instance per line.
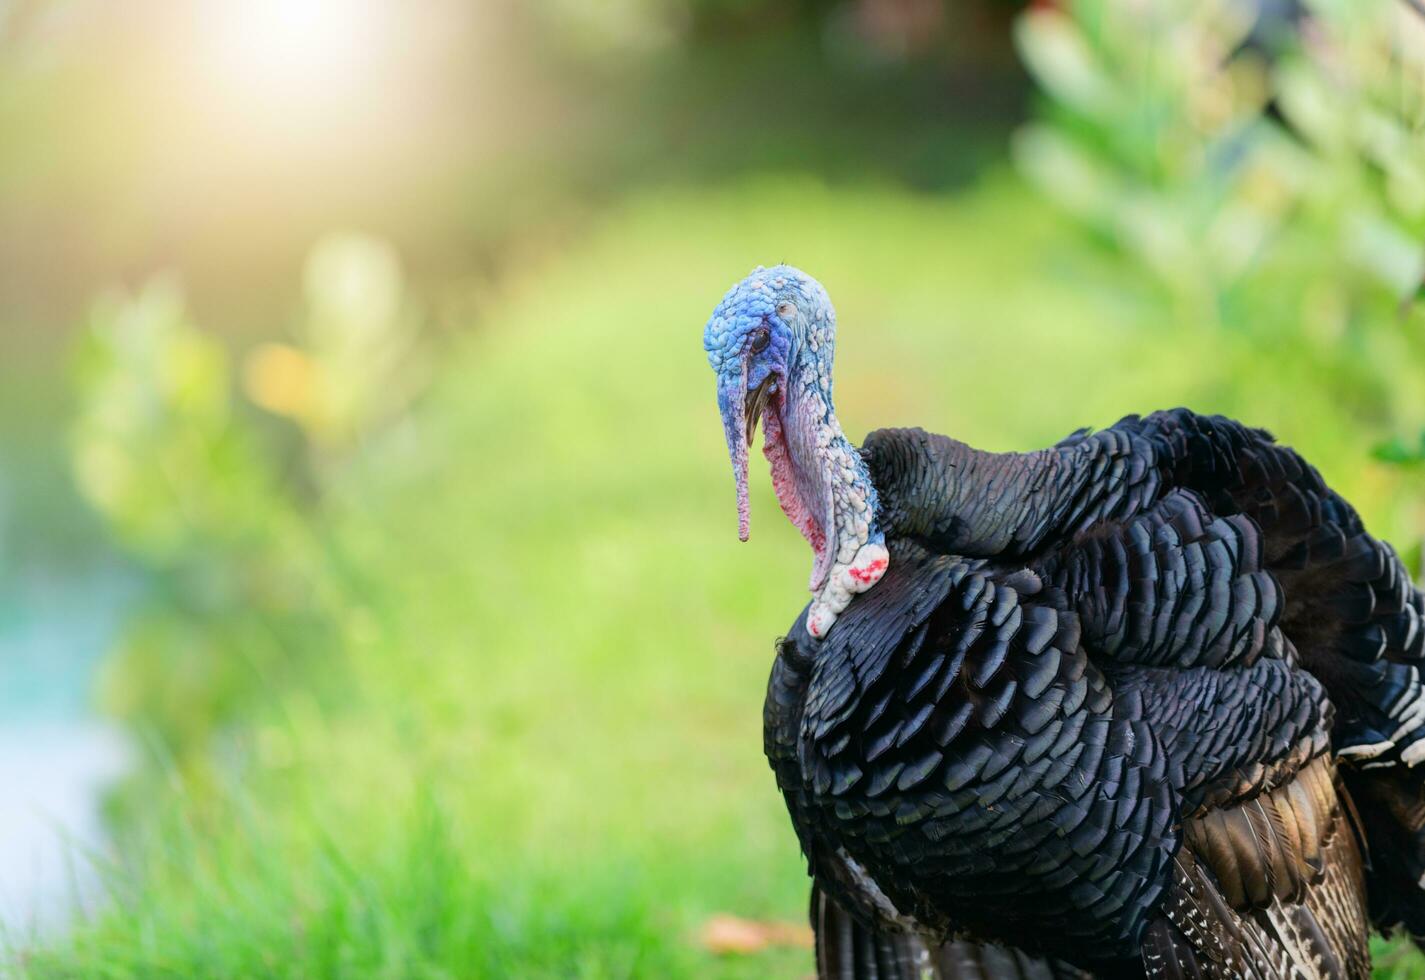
x=538 y=751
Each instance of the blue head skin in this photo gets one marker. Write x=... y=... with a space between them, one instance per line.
x=770 y=342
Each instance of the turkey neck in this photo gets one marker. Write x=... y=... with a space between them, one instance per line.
x=822 y=483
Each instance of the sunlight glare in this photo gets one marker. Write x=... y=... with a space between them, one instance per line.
x=284 y=55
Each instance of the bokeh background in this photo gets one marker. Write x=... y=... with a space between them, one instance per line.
x=371 y=599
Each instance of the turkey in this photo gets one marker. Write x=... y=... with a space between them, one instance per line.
x=1144 y=703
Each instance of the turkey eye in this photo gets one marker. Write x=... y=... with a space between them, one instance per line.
x=760 y=340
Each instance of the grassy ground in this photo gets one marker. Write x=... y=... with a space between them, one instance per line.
x=538 y=751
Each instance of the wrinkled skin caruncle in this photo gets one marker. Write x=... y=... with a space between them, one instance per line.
x=770 y=342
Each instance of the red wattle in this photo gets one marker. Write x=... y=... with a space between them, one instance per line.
x=871 y=573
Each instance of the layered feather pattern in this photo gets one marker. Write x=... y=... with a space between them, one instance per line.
x=1145 y=703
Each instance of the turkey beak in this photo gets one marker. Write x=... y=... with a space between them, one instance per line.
x=756 y=403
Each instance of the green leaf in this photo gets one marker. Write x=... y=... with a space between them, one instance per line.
x=1385 y=250
x=1054 y=50
x=1399 y=452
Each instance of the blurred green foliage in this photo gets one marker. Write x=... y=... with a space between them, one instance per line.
x=1398 y=451
x=160 y=452
x=212 y=503
x=358 y=361
x=1269 y=175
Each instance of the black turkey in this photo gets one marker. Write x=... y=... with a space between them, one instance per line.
x=1145 y=703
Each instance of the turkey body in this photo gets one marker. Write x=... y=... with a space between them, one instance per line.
x=1145 y=703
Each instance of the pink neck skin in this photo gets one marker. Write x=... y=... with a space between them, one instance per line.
x=824 y=489
x=795 y=490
